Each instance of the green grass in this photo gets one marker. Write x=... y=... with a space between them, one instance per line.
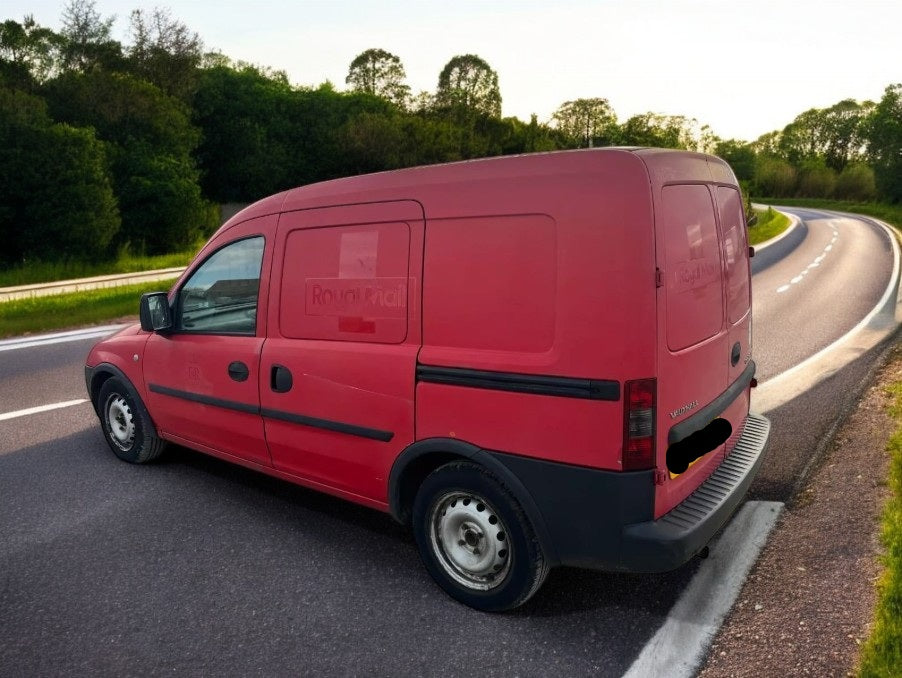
x=769 y=225
x=75 y=309
x=882 y=653
x=40 y=271
x=891 y=214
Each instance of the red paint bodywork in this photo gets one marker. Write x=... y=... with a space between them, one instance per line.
x=609 y=264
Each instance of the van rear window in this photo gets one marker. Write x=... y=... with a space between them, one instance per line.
x=692 y=265
x=732 y=220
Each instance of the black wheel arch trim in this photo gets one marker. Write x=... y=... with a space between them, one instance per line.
x=91 y=372
x=459 y=448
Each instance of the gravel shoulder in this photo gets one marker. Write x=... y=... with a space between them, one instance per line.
x=808 y=604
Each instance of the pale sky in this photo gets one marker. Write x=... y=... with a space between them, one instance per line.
x=743 y=67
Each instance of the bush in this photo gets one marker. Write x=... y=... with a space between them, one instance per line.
x=856 y=182
x=816 y=181
x=774 y=177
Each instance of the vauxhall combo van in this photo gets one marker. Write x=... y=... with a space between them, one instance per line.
x=532 y=361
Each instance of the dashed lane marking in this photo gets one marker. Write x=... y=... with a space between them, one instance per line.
x=814 y=264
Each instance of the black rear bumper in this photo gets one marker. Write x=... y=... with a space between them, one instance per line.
x=604 y=519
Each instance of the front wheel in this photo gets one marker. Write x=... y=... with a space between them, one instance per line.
x=475 y=540
x=126 y=425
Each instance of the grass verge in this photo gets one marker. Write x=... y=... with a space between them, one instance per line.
x=891 y=214
x=770 y=224
x=882 y=654
x=41 y=271
x=75 y=309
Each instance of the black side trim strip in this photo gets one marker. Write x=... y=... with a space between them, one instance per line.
x=351 y=429
x=339 y=427
x=713 y=409
x=566 y=387
x=204 y=399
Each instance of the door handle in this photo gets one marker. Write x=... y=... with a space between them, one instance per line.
x=238 y=371
x=280 y=379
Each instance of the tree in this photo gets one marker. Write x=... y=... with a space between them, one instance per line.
x=150 y=143
x=28 y=52
x=379 y=73
x=165 y=52
x=87 y=39
x=244 y=115
x=662 y=131
x=803 y=138
x=843 y=132
x=740 y=156
x=883 y=132
x=467 y=84
x=588 y=122
x=57 y=196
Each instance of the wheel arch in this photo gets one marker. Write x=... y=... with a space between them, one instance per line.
x=97 y=376
x=422 y=457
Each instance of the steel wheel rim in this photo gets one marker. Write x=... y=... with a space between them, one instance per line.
x=120 y=422
x=469 y=540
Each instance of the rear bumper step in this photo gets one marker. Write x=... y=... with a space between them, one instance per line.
x=666 y=543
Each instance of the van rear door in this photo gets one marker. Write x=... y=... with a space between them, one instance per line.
x=700 y=312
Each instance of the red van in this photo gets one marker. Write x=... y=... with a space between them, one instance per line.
x=534 y=361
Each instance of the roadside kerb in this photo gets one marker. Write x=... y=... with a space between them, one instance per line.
x=82 y=284
x=793 y=219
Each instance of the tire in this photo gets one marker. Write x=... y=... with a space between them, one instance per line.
x=475 y=540
x=126 y=424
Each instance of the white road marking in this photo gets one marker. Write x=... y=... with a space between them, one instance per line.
x=886 y=316
x=41 y=408
x=58 y=337
x=813 y=264
x=680 y=645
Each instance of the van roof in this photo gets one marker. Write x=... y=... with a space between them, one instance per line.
x=660 y=165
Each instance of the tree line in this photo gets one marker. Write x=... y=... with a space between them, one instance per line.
x=105 y=145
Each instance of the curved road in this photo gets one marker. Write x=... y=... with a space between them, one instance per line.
x=818 y=291
x=196 y=567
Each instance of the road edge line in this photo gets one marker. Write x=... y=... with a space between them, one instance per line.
x=884 y=305
x=59 y=337
x=793 y=218
x=679 y=647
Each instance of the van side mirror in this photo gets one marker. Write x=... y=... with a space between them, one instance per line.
x=155 y=314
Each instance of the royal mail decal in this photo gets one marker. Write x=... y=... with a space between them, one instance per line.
x=358 y=297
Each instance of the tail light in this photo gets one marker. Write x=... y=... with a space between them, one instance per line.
x=639 y=425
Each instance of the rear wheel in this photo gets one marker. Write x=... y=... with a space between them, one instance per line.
x=126 y=425
x=475 y=539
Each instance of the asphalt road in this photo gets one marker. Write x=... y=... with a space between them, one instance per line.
x=196 y=567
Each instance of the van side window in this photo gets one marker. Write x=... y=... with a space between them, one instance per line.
x=220 y=297
x=346 y=283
